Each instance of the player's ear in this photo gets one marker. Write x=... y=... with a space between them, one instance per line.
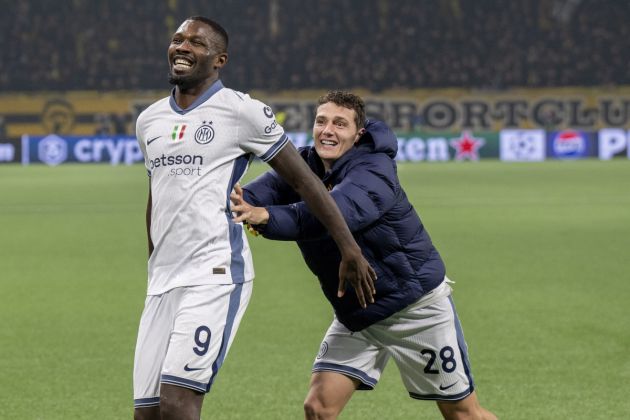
x=220 y=60
x=359 y=134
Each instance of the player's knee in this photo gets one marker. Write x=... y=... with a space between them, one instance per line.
x=147 y=413
x=175 y=408
x=315 y=410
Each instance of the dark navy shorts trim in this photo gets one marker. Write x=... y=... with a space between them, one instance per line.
x=435 y=397
x=367 y=382
x=146 y=402
x=186 y=383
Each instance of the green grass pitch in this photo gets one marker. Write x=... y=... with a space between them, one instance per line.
x=540 y=254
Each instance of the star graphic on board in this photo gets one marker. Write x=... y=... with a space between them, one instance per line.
x=467 y=146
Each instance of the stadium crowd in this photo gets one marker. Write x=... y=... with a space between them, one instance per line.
x=285 y=44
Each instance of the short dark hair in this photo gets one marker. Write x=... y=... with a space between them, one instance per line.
x=221 y=33
x=346 y=100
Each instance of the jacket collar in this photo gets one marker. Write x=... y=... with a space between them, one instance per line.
x=316 y=164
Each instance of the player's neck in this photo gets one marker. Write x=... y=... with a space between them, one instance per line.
x=185 y=97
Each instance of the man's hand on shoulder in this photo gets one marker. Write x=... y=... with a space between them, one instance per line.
x=355 y=269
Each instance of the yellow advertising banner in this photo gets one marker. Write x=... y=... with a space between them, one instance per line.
x=430 y=110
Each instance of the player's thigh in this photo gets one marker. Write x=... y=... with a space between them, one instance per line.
x=328 y=393
x=203 y=331
x=352 y=354
x=428 y=347
x=151 y=347
x=177 y=402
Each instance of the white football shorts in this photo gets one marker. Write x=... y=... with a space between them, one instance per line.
x=184 y=337
x=425 y=340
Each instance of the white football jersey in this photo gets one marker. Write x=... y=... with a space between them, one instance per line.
x=194 y=157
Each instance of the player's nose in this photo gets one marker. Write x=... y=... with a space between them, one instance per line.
x=328 y=128
x=183 y=46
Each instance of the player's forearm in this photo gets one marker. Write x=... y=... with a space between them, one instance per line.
x=321 y=204
x=290 y=166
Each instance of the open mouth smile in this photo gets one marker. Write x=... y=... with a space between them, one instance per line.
x=182 y=63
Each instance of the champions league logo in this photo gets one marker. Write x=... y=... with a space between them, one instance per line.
x=205 y=133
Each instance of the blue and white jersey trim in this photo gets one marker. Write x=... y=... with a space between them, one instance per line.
x=237 y=265
x=214 y=88
x=273 y=150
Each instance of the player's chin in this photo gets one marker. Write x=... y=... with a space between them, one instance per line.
x=326 y=152
x=181 y=80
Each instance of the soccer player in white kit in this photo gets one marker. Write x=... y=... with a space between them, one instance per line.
x=197 y=144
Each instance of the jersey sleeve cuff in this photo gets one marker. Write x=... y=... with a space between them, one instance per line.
x=273 y=150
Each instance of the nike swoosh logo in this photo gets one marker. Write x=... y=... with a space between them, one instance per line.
x=189 y=369
x=152 y=140
x=444 y=388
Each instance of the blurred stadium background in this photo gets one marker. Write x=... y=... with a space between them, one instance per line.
x=448 y=75
x=539 y=248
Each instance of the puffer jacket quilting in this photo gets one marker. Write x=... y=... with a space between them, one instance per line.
x=364 y=184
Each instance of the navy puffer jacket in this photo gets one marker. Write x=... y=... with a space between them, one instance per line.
x=365 y=186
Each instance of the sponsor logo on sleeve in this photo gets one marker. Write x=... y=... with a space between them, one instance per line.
x=274 y=124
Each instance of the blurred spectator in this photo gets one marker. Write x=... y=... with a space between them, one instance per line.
x=348 y=44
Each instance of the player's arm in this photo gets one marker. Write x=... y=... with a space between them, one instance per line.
x=354 y=268
x=363 y=196
x=148 y=219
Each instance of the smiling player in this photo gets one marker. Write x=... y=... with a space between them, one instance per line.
x=413 y=319
x=197 y=144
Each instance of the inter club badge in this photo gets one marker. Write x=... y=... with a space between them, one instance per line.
x=205 y=133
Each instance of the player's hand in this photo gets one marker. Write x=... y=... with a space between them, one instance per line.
x=355 y=270
x=245 y=212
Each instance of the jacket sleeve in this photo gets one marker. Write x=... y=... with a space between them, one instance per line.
x=268 y=189
x=366 y=192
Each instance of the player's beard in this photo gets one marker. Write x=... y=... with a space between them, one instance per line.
x=184 y=82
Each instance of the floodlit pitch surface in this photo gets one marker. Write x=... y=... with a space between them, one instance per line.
x=540 y=254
